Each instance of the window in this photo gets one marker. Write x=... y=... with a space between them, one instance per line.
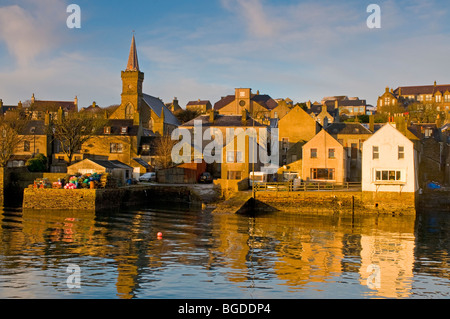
x=146 y=148
x=314 y=153
x=239 y=157
x=354 y=151
x=129 y=112
x=428 y=97
x=375 y=152
x=116 y=148
x=401 y=152
x=331 y=153
x=447 y=98
x=26 y=146
x=230 y=157
x=289 y=176
x=322 y=173
x=388 y=175
x=387 y=101
x=124 y=130
x=285 y=144
x=438 y=98
x=234 y=157
x=107 y=130
x=419 y=98
x=234 y=175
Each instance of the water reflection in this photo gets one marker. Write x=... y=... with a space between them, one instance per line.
x=222 y=256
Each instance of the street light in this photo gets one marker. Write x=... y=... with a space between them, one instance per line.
x=254 y=155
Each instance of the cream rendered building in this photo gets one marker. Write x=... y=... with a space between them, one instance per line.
x=389 y=162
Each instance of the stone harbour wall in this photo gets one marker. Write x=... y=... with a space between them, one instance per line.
x=49 y=199
x=104 y=199
x=339 y=201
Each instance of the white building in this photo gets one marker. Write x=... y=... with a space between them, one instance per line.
x=389 y=162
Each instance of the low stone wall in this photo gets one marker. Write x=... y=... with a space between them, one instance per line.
x=103 y=199
x=342 y=202
x=57 y=199
x=435 y=200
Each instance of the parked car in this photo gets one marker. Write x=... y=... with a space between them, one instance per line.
x=148 y=177
x=206 y=178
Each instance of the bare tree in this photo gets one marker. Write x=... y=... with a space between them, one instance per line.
x=424 y=112
x=163 y=151
x=75 y=129
x=10 y=137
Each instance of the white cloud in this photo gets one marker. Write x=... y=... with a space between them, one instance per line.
x=29 y=33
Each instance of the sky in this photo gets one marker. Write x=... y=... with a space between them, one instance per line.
x=204 y=49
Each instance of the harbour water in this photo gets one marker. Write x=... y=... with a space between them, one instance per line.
x=118 y=255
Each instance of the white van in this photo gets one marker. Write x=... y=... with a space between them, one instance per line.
x=257 y=177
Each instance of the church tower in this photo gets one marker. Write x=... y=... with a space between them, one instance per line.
x=132 y=79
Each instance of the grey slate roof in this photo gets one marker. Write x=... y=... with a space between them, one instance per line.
x=157 y=106
x=347 y=128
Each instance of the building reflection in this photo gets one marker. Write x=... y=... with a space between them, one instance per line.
x=296 y=251
x=388 y=247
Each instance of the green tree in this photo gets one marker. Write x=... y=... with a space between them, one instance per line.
x=186 y=115
x=37 y=163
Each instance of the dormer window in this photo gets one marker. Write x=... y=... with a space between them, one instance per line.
x=33 y=130
x=107 y=130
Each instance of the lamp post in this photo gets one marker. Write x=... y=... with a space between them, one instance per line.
x=254 y=155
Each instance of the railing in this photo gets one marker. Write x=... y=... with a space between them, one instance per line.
x=305 y=186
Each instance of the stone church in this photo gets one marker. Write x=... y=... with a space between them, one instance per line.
x=144 y=109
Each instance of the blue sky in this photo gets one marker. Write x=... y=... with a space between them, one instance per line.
x=304 y=50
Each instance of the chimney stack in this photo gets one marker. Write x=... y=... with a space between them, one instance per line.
x=371 y=123
x=47 y=118
x=244 y=117
x=212 y=116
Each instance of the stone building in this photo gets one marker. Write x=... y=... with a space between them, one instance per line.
x=143 y=109
x=324 y=113
x=225 y=125
x=351 y=136
x=295 y=129
x=437 y=95
x=200 y=106
x=281 y=110
x=34 y=139
x=257 y=105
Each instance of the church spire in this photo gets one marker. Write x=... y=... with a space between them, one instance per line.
x=133 y=64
